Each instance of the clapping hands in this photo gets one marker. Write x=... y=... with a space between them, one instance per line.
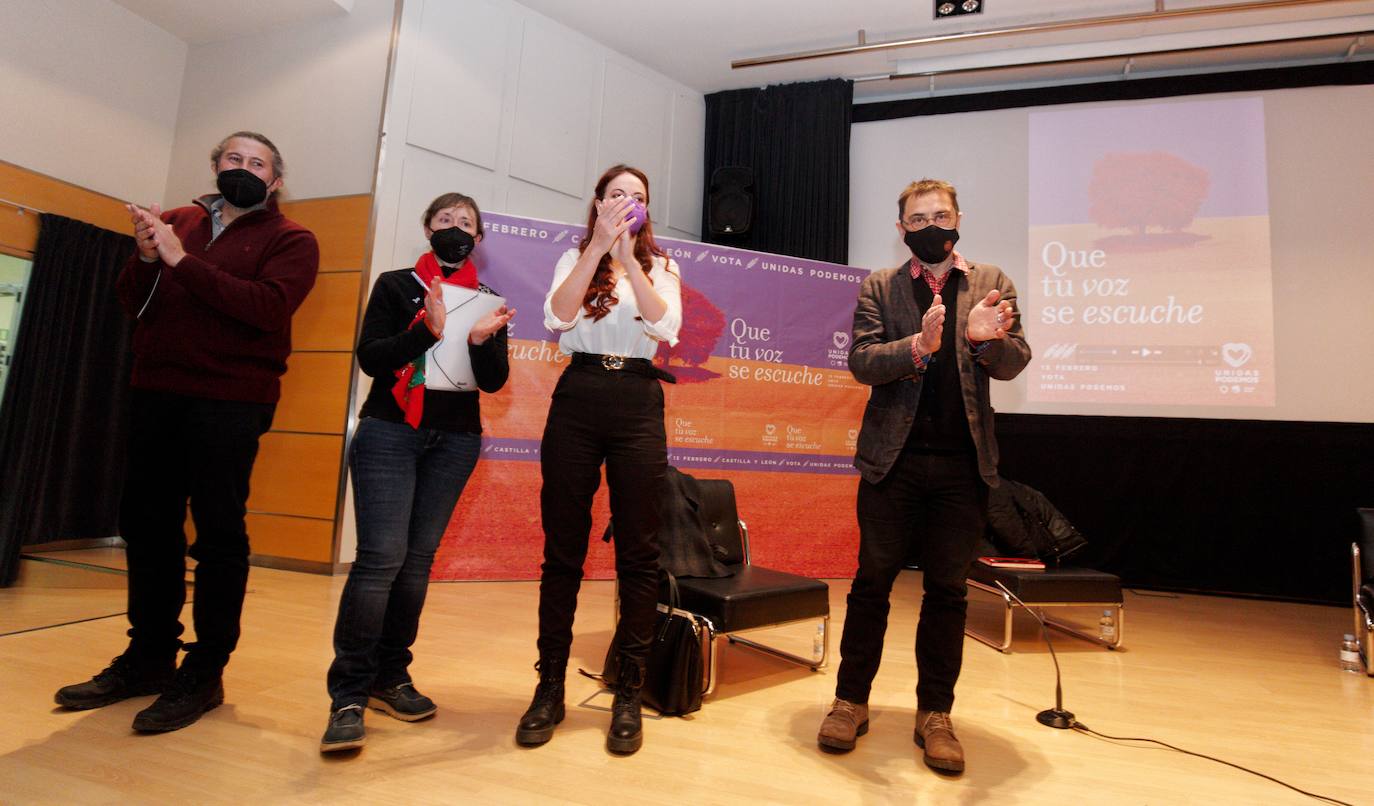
x=154 y=237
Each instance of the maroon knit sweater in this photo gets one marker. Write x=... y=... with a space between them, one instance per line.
x=218 y=324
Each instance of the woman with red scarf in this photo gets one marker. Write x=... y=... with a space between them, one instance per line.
x=413 y=451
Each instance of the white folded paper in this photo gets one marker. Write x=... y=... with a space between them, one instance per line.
x=447 y=364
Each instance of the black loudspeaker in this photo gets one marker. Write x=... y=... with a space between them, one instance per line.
x=730 y=203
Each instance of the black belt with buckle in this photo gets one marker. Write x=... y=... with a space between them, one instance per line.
x=619 y=363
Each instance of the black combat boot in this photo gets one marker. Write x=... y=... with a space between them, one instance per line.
x=627 y=731
x=546 y=709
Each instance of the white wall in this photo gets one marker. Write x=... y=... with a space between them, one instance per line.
x=523 y=114
x=315 y=89
x=90 y=94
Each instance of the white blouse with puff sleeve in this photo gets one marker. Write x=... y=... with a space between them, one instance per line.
x=619 y=332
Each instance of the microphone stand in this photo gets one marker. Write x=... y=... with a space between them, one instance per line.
x=1055 y=717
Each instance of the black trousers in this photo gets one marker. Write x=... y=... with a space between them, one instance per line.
x=198 y=450
x=613 y=417
x=933 y=507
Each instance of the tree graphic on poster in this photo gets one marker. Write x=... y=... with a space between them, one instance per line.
x=1138 y=190
x=702 y=324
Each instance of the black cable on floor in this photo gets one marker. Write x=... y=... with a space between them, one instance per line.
x=63 y=624
x=1080 y=727
x=78 y=621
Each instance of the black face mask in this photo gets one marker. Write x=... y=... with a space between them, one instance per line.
x=932 y=244
x=452 y=245
x=241 y=187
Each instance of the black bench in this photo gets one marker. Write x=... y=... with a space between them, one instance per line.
x=1052 y=587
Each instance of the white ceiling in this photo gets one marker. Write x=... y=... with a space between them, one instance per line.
x=695 y=41
x=196 y=22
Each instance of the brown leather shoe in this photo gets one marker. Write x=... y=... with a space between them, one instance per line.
x=843 y=726
x=935 y=734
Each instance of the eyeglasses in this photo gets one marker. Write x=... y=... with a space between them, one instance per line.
x=941 y=218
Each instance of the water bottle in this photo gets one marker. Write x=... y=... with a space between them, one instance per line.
x=1106 y=628
x=818 y=642
x=1350 y=654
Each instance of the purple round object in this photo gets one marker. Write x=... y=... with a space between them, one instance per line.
x=638 y=214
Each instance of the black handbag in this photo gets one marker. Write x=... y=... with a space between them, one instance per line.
x=672 y=670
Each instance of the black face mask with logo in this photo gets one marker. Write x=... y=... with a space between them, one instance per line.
x=241 y=187
x=452 y=245
x=932 y=244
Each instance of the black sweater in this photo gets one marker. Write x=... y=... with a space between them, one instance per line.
x=388 y=342
x=941 y=425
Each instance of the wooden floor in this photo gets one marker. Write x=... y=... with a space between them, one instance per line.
x=1253 y=682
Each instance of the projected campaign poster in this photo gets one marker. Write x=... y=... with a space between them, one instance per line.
x=1149 y=259
x=763 y=397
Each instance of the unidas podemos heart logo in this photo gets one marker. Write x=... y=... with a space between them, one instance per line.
x=1237 y=355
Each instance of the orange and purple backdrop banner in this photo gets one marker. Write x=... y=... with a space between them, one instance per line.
x=764 y=398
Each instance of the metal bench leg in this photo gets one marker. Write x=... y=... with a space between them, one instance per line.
x=712 y=656
x=1007 y=605
x=813 y=663
x=1075 y=632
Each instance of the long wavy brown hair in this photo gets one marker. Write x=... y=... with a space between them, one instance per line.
x=600 y=294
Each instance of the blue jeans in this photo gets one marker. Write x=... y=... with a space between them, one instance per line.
x=406 y=483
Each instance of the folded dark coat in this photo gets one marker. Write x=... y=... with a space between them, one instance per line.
x=1023 y=523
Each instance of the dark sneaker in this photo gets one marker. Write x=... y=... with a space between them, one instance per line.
x=190 y=694
x=402 y=702
x=345 y=730
x=122 y=679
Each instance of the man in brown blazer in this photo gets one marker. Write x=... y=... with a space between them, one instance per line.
x=929 y=335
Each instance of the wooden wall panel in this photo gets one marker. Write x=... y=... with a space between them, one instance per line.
x=314 y=393
x=296 y=474
x=294 y=538
x=55 y=196
x=340 y=225
x=18 y=231
x=299 y=464
x=328 y=317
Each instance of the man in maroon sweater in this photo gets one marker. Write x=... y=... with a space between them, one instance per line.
x=213 y=287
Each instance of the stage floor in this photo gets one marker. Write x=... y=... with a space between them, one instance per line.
x=1255 y=683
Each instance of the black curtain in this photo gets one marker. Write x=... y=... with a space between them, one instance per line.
x=63 y=420
x=1259 y=508
x=795 y=138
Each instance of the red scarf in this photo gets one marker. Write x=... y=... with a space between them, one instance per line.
x=411 y=377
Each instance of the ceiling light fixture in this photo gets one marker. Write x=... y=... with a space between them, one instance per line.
x=957 y=8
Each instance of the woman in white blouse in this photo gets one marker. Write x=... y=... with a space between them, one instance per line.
x=614 y=299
